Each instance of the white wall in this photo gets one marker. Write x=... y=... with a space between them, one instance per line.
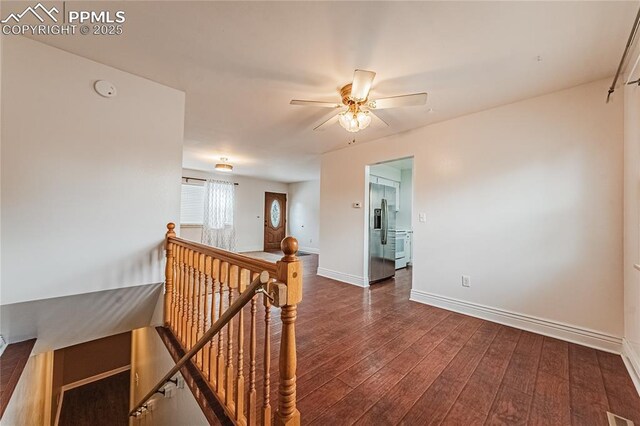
x=30 y=403
x=525 y=198
x=151 y=361
x=304 y=214
x=630 y=95
x=88 y=183
x=249 y=208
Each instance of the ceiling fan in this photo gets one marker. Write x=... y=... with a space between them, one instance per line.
x=358 y=109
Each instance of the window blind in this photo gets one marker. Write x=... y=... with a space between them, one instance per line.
x=192 y=204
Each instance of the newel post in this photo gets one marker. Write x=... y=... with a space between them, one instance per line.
x=168 y=272
x=290 y=273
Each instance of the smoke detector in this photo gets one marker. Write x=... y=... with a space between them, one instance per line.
x=105 y=88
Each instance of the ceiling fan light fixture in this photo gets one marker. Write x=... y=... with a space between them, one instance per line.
x=354 y=121
x=224 y=166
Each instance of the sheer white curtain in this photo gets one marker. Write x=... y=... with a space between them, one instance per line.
x=217 y=228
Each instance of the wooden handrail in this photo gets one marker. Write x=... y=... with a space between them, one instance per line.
x=227 y=316
x=206 y=289
x=240 y=260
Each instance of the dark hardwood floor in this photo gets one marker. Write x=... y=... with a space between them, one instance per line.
x=372 y=357
x=101 y=403
x=12 y=362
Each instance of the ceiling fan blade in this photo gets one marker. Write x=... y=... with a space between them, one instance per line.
x=362 y=81
x=320 y=104
x=377 y=121
x=415 y=99
x=325 y=124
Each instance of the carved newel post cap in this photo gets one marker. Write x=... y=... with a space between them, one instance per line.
x=170 y=227
x=289 y=247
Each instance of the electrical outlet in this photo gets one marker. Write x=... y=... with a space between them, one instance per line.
x=422 y=217
x=466 y=281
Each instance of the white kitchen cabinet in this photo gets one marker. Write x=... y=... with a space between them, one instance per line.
x=388 y=182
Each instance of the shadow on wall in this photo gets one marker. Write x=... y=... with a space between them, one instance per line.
x=64 y=321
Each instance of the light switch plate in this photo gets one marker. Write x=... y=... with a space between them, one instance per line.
x=422 y=217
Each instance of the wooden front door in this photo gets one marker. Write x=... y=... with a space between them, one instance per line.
x=275 y=219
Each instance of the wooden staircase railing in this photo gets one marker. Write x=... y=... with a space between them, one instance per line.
x=208 y=295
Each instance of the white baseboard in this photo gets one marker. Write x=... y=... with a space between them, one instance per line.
x=309 y=250
x=570 y=333
x=632 y=361
x=342 y=277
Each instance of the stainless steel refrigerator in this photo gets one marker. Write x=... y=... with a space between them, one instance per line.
x=382 y=232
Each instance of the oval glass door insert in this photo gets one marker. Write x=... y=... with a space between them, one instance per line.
x=275 y=213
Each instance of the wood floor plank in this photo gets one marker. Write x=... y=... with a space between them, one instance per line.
x=434 y=404
x=621 y=393
x=554 y=358
x=588 y=395
x=391 y=408
x=317 y=401
x=362 y=370
x=521 y=373
x=359 y=400
x=551 y=400
x=511 y=407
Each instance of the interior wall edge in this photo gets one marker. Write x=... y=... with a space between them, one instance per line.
x=570 y=333
x=632 y=362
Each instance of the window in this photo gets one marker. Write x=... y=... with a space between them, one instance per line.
x=192 y=204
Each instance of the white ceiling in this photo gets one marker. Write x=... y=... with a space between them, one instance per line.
x=241 y=62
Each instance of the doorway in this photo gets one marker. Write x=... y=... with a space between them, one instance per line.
x=388 y=221
x=275 y=220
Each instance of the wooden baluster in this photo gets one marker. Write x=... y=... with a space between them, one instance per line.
x=178 y=322
x=168 y=274
x=176 y=290
x=251 y=396
x=205 y=320
x=202 y=286
x=233 y=284
x=243 y=283
x=191 y=280
x=289 y=272
x=266 y=404
x=224 y=277
x=185 y=293
x=215 y=271
x=196 y=298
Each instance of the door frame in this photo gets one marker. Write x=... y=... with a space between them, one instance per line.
x=266 y=214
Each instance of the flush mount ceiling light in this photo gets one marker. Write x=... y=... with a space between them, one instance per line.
x=224 y=166
x=359 y=108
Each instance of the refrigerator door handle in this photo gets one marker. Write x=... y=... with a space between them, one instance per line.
x=385 y=221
